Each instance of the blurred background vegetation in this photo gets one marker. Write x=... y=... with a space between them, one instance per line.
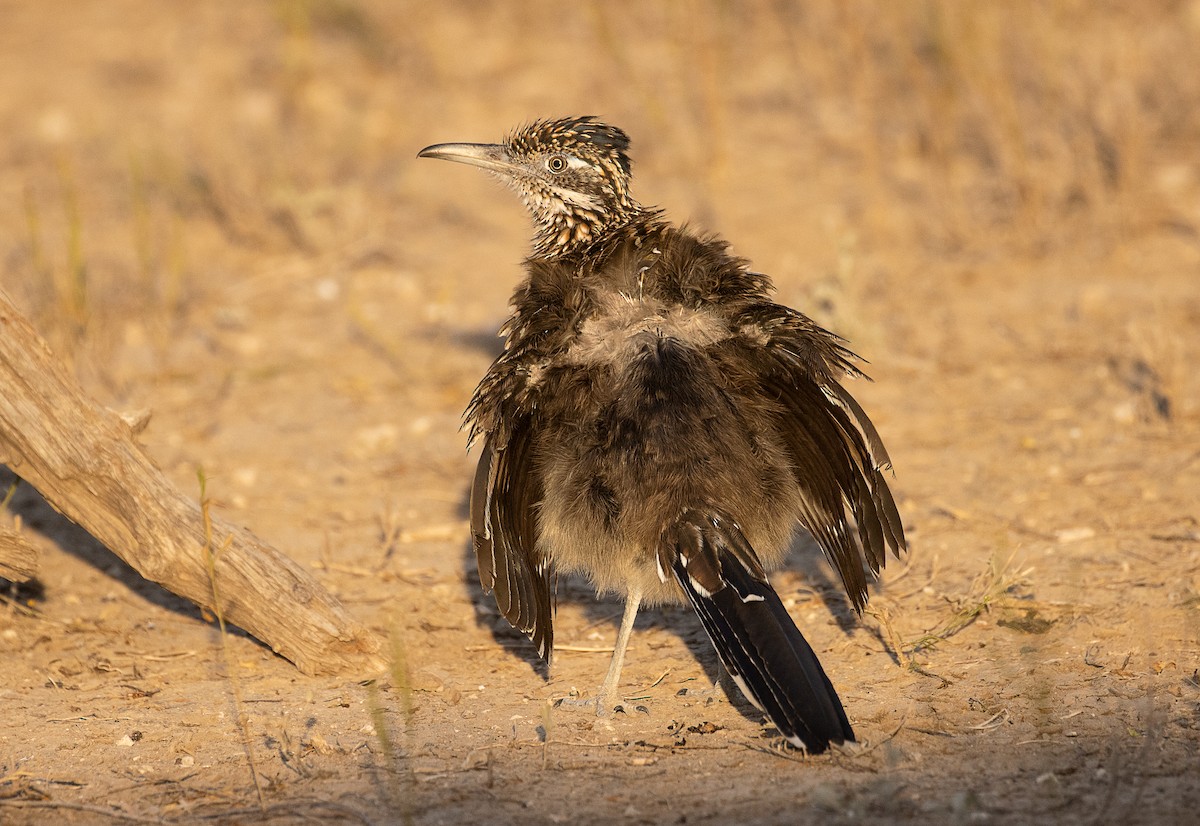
x=155 y=153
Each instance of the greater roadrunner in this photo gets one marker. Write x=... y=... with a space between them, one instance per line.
x=658 y=424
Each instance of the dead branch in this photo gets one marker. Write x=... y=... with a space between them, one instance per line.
x=18 y=559
x=86 y=462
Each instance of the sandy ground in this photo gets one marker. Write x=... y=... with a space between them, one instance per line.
x=214 y=212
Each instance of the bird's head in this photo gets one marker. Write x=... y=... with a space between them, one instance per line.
x=573 y=174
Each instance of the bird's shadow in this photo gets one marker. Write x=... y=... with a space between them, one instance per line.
x=804 y=557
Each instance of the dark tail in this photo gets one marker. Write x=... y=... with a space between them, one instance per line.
x=757 y=641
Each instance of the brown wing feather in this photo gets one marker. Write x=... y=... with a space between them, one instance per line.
x=858 y=426
x=837 y=455
x=503 y=525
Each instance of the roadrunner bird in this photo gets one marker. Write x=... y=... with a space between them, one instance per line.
x=657 y=423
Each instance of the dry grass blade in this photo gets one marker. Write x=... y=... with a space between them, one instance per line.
x=400 y=796
x=118 y=815
x=211 y=555
x=998 y=580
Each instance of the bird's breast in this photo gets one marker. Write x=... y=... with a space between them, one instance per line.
x=623 y=327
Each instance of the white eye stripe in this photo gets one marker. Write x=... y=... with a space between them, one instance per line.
x=576 y=198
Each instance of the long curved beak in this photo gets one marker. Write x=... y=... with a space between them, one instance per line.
x=490 y=156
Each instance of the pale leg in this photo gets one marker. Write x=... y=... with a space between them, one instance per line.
x=608 y=691
x=724 y=678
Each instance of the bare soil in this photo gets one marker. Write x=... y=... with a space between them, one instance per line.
x=213 y=211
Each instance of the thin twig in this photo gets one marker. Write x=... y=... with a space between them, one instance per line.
x=105 y=811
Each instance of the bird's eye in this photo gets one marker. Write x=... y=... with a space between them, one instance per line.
x=556 y=163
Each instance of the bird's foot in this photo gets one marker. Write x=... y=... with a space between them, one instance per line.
x=706 y=696
x=604 y=706
x=718 y=691
x=593 y=703
x=575 y=702
x=603 y=709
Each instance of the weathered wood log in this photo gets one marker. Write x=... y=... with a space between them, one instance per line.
x=18 y=559
x=84 y=459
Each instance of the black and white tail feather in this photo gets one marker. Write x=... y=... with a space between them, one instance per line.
x=758 y=643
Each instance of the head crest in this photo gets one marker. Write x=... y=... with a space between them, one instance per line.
x=567 y=133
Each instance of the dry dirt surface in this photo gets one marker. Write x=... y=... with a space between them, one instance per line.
x=213 y=211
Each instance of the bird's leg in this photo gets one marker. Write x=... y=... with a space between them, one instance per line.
x=723 y=686
x=723 y=680
x=609 y=689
